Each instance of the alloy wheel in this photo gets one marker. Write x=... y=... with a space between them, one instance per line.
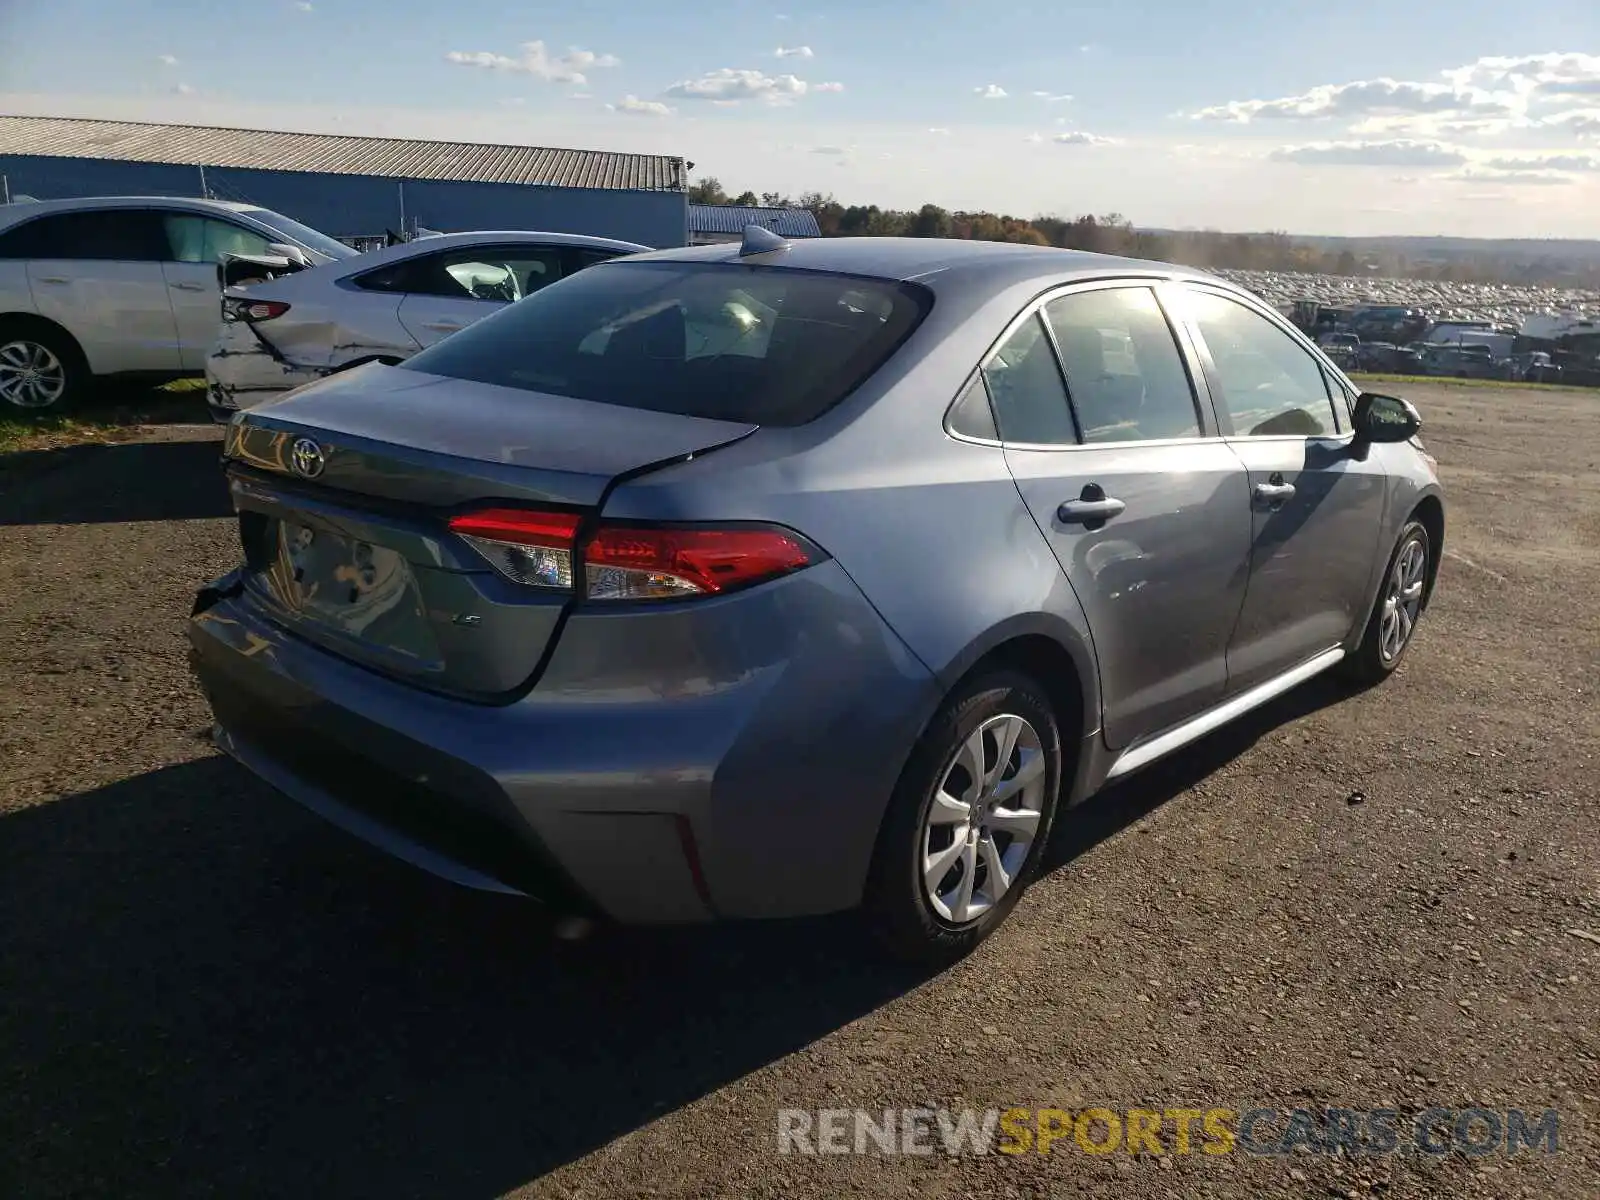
x=31 y=375
x=983 y=819
x=1403 y=599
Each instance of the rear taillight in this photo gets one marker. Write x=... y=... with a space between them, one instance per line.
x=633 y=562
x=238 y=309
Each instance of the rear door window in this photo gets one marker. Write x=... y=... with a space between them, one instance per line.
x=105 y=235
x=497 y=273
x=1124 y=371
x=766 y=345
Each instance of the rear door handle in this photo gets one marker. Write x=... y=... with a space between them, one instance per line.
x=190 y=287
x=1274 y=493
x=1093 y=506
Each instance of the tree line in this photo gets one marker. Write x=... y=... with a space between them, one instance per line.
x=1112 y=233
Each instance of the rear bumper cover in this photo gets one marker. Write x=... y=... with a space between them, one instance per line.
x=732 y=758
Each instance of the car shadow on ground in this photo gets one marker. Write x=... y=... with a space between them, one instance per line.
x=1123 y=803
x=208 y=990
x=102 y=484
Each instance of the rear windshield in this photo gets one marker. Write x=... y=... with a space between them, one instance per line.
x=766 y=345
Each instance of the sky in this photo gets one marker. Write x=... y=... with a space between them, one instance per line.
x=1466 y=118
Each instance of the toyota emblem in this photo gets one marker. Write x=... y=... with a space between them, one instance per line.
x=306 y=458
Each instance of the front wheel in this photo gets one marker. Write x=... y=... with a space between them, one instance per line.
x=968 y=823
x=1399 y=607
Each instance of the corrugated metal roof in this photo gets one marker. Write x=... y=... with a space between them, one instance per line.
x=338 y=154
x=731 y=218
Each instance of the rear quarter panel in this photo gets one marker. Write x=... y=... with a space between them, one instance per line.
x=932 y=529
x=15 y=294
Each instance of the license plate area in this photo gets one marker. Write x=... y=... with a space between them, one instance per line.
x=363 y=594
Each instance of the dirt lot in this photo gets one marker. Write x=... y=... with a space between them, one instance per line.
x=1350 y=901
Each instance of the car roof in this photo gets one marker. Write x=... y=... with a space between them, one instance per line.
x=20 y=210
x=446 y=241
x=941 y=263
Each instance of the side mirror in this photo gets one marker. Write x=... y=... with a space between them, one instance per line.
x=294 y=254
x=1380 y=419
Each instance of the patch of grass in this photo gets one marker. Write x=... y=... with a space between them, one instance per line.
x=1451 y=381
x=113 y=416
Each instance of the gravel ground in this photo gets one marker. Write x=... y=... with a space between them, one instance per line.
x=1355 y=901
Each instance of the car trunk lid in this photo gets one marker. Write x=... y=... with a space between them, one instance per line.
x=344 y=489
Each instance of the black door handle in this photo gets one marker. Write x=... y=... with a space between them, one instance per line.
x=1092 y=508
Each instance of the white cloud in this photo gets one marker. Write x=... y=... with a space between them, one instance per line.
x=1581 y=121
x=580 y=95
x=1364 y=98
x=1515 y=178
x=1545 y=162
x=535 y=60
x=304 y=6
x=991 y=91
x=1401 y=152
x=731 y=85
x=640 y=108
x=835 y=151
x=827 y=87
x=793 y=52
x=169 y=60
x=1077 y=137
x=940 y=130
x=1050 y=97
x=1544 y=74
x=183 y=89
x=1035 y=138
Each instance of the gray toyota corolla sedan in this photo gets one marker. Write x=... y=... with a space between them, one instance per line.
x=776 y=579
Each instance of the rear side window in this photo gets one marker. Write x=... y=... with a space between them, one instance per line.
x=1124 y=372
x=1030 y=401
x=502 y=274
x=766 y=345
x=106 y=235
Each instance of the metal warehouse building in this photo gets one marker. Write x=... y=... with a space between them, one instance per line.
x=354 y=186
x=710 y=224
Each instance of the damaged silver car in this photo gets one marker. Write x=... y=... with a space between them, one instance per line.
x=285 y=324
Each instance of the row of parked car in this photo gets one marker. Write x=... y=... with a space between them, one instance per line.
x=1457 y=360
x=162 y=288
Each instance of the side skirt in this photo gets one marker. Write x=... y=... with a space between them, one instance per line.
x=1142 y=754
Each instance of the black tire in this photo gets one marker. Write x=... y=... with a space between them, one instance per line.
x=898 y=907
x=63 y=354
x=1371 y=664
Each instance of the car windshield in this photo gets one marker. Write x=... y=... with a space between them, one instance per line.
x=306 y=236
x=767 y=345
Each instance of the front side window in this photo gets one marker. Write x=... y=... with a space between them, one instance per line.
x=195 y=239
x=770 y=346
x=1270 y=385
x=1030 y=401
x=304 y=235
x=1124 y=372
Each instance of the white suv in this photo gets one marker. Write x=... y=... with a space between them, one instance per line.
x=122 y=286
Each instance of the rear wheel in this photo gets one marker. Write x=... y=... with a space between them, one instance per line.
x=969 y=820
x=1399 y=607
x=40 y=370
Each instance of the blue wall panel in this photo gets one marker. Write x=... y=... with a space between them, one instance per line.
x=359 y=205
